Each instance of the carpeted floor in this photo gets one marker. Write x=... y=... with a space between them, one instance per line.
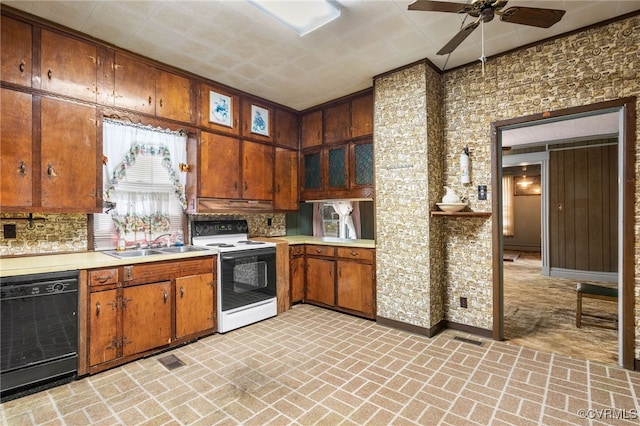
x=540 y=313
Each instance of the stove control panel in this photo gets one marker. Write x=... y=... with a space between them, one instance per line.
x=209 y=228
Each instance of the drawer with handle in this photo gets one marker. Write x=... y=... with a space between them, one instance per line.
x=101 y=277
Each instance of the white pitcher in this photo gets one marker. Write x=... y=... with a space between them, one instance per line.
x=450 y=197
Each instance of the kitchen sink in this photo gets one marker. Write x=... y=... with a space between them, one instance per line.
x=181 y=249
x=132 y=253
x=128 y=254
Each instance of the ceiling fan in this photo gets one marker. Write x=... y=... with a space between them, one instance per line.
x=485 y=11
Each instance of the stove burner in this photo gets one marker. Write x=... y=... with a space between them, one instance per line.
x=250 y=243
x=221 y=245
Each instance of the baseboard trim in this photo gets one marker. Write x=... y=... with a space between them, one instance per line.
x=411 y=328
x=436 y=329
x=482 y=332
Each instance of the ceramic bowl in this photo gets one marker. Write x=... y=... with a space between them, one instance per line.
x=451 y=207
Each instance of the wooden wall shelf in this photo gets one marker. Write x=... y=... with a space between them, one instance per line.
x=467 y=214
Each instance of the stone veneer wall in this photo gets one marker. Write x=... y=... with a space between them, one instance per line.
x=59 y=233
x=52 y=233
x=592 y=66
x=408 y=247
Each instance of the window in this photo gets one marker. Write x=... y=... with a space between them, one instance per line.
x=143 y=182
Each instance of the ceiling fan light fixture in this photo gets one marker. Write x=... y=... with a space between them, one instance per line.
x=303 y=16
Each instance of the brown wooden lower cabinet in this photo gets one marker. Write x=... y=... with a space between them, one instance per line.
x=195 y=304
x=136 y=309
x=340 y=278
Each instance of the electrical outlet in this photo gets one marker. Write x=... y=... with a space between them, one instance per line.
x=463 y=302
x=482 y=192
x=9 y=231
x=269 y=221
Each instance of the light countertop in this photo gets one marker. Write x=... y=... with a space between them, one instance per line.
x=86 y=260
x=327 y=241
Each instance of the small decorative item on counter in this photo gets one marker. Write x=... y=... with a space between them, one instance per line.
x=122 y=244
x=179 y=238
x=450 y=196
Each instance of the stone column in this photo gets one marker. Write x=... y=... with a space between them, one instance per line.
x=409 y=165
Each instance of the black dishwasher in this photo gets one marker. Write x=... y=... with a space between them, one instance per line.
x=39 y=330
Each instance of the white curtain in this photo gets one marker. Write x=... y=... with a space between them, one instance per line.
x=124 y=142
x=143 y=208
x=507 y=206
x=344 y=209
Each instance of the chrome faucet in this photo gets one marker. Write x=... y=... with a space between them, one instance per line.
x=155 y=243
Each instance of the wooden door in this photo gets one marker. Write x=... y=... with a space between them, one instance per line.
x=69 y=157
x=146 y=317
x=362 y=116
x=219 y=109
x=311 y=129
x=104 y=330
x=173 y=96
x=135 y=86
x=297 y=279
x=337 y=123
x=257 y=171
x=286 y=179
x=257 y=123
x=286 y=128
x=16 y=166
x=320 y=276
x=68 y=66
x=355 y=286
x=194 y=304
x=219 y=166
x=15 y=52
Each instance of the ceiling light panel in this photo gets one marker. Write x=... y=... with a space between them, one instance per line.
x=303 y=16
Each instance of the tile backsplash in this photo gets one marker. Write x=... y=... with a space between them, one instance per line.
x=63 y=233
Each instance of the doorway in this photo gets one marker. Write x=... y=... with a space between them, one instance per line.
x=625 y=109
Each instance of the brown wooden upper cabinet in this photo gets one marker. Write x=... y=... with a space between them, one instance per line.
x=219 y=109
x=337 y=123
x=68 y=66
x=257 y=171
x=218 y=166
x=70 y=169
x=257 y=120
x=311 y=129
x=15 y=51
x=362 y=116
x=16 y=166
x=144 y=88
x=286 y=128
x=286 y=180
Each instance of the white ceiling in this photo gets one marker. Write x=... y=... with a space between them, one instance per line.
x=233 y=43
x=565 y=130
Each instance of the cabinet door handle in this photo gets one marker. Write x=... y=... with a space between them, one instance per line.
x=278 y=188
x=182 y=292
x=50 y=171
x=97 y=309
x=149 y=100
x=165 y=295
x=160 y=103
x=235 y=186
x=103 y=278
x=49 y=74
x=21 y=66
x=23 y=168
x=245 y=185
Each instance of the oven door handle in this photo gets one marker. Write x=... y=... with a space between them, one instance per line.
x=252 y=252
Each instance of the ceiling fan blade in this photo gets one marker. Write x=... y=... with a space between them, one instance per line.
x=535 y=17
x=438 y=6
x=459 y=38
